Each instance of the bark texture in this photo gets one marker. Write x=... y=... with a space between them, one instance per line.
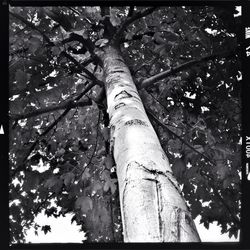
x=152 y=207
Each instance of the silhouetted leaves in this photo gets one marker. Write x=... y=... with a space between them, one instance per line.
x=84 y=204
x=201 y=105
x=46 y=229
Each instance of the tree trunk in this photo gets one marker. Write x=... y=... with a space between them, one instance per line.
x=152 y=207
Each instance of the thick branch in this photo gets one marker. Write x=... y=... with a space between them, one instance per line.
x=87 y=43
x=88 y=73
x=31 y=25
x=70 y=104
x=149 y=81
x=132 y=19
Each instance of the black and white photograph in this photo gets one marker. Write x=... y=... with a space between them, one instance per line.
x=125 y=123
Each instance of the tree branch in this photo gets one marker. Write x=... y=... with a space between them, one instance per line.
x=22 y=165
x=31 y=25
x=149 y=81
x=132 y=19
x=75 y=11
x=138 y=36
x=82 y=68
x=180 y=138
x=131 y=11
x=87 y=43
x=69 y=104
x=94 y=151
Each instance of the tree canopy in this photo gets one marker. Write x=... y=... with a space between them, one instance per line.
x=185 y=62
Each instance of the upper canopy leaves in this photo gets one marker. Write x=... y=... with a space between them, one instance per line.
x=196 y=110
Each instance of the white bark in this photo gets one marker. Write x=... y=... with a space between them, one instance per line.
x=152 y=207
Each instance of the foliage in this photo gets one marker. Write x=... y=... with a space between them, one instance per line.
x=58 y=160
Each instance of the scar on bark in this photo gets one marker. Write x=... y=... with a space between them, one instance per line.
x=123 y=94
x=164 y=157
x=119 y=105
x=136 y=122
x=118 y=59
x=117 y=71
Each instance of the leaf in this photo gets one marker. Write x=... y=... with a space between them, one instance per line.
x=105 y=175
x=233 y=232
x=224 y=150
x=113 y=186
x=159 y=48
x=16 y=106
x=51 y=182
x=191 y=172
x=109 y=162
x=68 y=178
x=60 y=152
x=81 y=32
x=14 y=210
x=129 y=36
x=55 y=50
x=201 y=192
x=35 y=158
x=171 y=36
x=79 y=87
x=54 y=183
x=145 y=39
x=51 y=211
x=174 y=145
x=179 y=167
x=46 y=229
x=84 y=203
x=199 y=148
x=86 y=174
x=106 y=133
x=21 y=78
x=31 y=181
x=222 y=170
x=53 y=147
x=101 y=152
x=114 y=19
x=34 y=44
x=106 y=186
x=101 y=42
x=227 y=182
x=210 y=138
x=110 y=184
x=196 y=209
x=206 y=224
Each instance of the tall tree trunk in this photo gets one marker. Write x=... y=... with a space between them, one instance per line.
x=152 y=207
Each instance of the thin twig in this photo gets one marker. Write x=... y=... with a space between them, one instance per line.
x=149 y=81
x=69 y=104
x=179 y=137
x=88 y=73
x=132 y=19
x=159 y=102
x=75 y=11
x=94 y=151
